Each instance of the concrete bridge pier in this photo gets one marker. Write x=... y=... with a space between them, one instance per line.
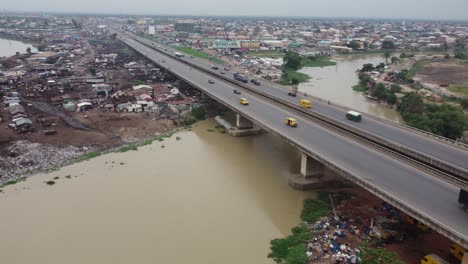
x=244 y=127
x=243 y=123
x=312 y=174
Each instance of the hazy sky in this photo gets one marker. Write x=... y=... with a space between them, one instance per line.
x=417 y=9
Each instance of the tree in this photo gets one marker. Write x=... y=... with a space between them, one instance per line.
x=198 y=112
x=41 y=47
x=387 y=55
x=391 y=98
x=388 y=45
x=28 y=49
x=395 y=88
x=379 y=91
x=354 y=44
x=17 y=53
x=447 y=56
x=294 y=81
x=464 y=103
x=394 y=60
x=113 y=36
x=446 y=120
x=367 y=67
x=364 y=80
x=292 y=60
x=445 y=46
x=411 y=103
x=92 y=71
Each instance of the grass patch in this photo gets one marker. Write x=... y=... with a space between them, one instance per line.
x=199 y=54
x=290 y=74
x=358 y=88
x=133 y=147
x=461 y=89
x=415 y=69
x=317 y=62
x=12 y=182
x=210 y=130
x=314 y=209
x=88 y=156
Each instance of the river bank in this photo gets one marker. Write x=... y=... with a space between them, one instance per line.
x=23 y=159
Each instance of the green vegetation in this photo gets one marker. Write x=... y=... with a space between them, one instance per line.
x=50 y=182
x=291 y=76
x=68 y=176
x=291 y=247
x=388 y=45
x=314 y=209
x=415 y=69
x=189 y=121
x=138 y=82
x=378 y=255
x=460 y=53
x=358 y=88
x=11 y=182
x=88 y=156
x=199 y=54
x=463 y=89
x=294 y=62
x=56 y=177
x=133 y=147
x=444 y=120
x=92 y=71
x=210 y=130
x=317 y=62
x=198 y=112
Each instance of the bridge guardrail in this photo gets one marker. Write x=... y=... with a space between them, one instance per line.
x=461 y=175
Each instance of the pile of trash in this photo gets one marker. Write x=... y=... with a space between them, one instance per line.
x=337 y=238
x=331 y=241
x=24 y=158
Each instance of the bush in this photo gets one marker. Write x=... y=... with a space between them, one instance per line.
x=198 y=112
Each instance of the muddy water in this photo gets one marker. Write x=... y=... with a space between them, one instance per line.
x=10 y=47
x=334 y=83
x=206 y=198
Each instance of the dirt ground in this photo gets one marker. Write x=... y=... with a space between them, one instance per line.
x=451 y=73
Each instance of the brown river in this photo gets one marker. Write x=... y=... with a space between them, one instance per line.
x=206 y=198
x=335 y=83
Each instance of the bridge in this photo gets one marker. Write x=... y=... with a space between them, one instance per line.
x=415 y=171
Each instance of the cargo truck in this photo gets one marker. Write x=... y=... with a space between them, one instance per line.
x=240 y=77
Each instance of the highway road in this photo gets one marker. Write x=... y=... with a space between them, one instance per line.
x=430 y=197
x=402 y=136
